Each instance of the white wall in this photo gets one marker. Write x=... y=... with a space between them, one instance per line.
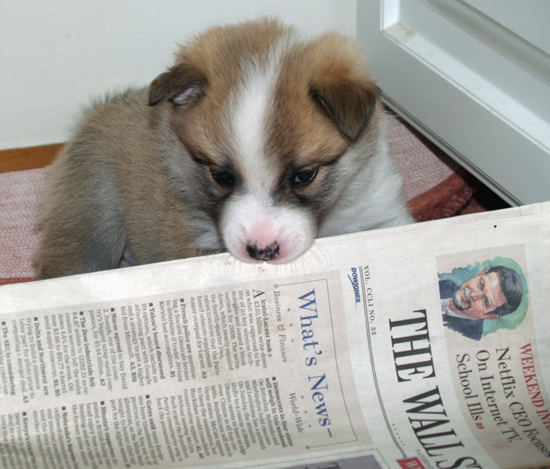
x=55 y=55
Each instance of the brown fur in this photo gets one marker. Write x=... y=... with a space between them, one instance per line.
x=137 y=173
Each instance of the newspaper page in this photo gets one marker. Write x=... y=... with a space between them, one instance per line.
x=398 y=348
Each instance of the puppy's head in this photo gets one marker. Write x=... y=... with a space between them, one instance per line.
x=270 y=128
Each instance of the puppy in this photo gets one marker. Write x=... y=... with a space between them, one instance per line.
x=256 y=141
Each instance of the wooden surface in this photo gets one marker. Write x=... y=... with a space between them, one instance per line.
x=28 y=158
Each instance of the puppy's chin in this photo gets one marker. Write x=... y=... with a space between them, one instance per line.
x=255 y=231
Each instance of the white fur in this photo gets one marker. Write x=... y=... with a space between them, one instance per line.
x=250 y=109
x=371 y=200
x=248 y=121
x=252 y=219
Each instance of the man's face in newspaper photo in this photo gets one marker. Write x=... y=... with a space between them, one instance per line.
x=478 y=297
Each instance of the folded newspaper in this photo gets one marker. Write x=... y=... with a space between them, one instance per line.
x=425 y=346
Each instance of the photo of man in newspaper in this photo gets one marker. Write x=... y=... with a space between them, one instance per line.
x=489 y=294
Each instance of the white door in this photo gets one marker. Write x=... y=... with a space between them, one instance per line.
x=474 y=76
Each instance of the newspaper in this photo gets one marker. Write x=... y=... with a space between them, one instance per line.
x=349 y=357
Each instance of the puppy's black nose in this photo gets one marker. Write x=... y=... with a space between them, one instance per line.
x=267 y=253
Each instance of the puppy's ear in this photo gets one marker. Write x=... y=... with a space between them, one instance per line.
x=349 y=103
x=180 y=85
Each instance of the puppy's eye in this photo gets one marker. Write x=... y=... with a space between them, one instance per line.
x=304 y=177
x=223 y=178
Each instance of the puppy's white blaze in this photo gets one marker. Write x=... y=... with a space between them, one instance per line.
x=248 y=123
x=250 y=220
x=251 y=103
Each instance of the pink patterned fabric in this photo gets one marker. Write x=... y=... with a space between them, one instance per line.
x=19 y=198
x=423 y=165
x=435 y=187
